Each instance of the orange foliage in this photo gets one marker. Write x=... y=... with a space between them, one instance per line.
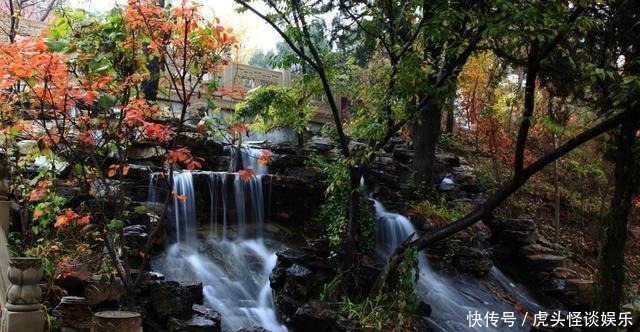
x=265 y=157
x=183 y=156
x=70 y=217
x=40 y=191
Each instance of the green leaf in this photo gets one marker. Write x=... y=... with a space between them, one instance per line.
x=57 y=45
x=116 y=224
x=140 y=209
x=106 y=101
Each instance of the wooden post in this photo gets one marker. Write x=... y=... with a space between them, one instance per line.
x=116 y=321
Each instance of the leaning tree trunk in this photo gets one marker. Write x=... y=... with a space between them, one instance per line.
x=425 y=134
x=613 y=228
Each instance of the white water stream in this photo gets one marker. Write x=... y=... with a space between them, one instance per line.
x=451 y=299
x=235 y=260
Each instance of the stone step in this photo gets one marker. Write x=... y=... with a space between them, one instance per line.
x=544 y=262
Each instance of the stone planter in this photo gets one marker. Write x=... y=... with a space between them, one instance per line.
x=116 y=321
x=24 y=292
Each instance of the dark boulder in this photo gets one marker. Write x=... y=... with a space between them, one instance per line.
x=194 y=324
x=252 y=329
x=103 y=290
x=471 y=260
x=513 y=232
x=314 y=316
x=293 y=200
x=174 y=299
x=298 y=277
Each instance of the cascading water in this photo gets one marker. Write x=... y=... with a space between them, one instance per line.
x=451 y=300
x=247 y=157
x=235 y=260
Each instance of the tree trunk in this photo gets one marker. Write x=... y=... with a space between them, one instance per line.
x=450 y=121
x=350 y=261
x=425 y=134
x=613 y=228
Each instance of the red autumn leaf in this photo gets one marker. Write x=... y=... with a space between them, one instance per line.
x=86 y=137
x=84 y=220
x=247 y=174
x=90 y=97
x=265 y=157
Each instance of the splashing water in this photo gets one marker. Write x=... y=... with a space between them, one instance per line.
x=452 y=300
x=235 y=261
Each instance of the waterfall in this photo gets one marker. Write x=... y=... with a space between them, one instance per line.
x=235 y=260
x=451 y=300
x=184 y=208
x=248 y=156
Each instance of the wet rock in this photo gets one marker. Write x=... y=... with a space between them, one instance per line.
x=282 y=162
x=578 y=293
x=199 y=143
x=282 y=148
x=174 y=299
x=298 y=272
x=536 y=249
x=135 y=236
x=209 y=150
x=421 y=222
x=544 y=262
x=194 y=324
x=141 y=172
x=472 y=260
x=146 y=152
x=306 y=174
x=565 y=273
x=207 y=312
x=104 y=290
x=293 y=200
x=321 y=143
x=551 y=286
x=513 y=232
x=464 y=177
x=403 y=155
x=72 y=277
x=314 y=316
x=447 y=159
x=299 y=276
x=424 y=309
x=74 y=314
x=217 y=163
x=252 y=329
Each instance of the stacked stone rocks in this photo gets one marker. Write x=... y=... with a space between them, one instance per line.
x=522 y=253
